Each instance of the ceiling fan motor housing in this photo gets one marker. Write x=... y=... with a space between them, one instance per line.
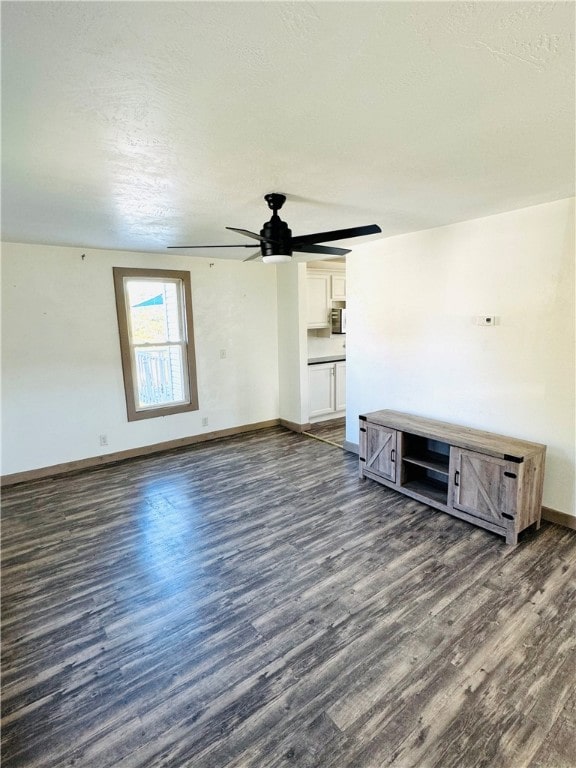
x=278 y=237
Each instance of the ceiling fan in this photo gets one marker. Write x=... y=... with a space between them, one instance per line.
x=277 y=243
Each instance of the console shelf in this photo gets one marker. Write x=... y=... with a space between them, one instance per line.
x=427 y=489
x=490 y=480
x=434 y=461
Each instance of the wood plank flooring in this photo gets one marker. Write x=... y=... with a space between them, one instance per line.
x=332 y=431
x=250 y=603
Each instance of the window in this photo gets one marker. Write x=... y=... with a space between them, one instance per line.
x=156 y=341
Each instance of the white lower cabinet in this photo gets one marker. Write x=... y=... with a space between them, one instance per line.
x=321 y=388
x=340 y=381
x=327 y=388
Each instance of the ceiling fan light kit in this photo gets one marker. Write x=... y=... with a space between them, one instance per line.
x=275 y=258
x=277 y=243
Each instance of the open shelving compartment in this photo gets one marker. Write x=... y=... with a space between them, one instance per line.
x=425 y=467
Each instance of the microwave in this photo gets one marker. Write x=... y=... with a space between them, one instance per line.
x=338 y=320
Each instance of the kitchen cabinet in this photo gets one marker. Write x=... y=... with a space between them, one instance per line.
x=492 y=481
x=325 y=288
x=338 y=287
x=327 y=388
x=340 y=386
x=318 y=305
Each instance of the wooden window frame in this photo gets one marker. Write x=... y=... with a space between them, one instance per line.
x=122 y=311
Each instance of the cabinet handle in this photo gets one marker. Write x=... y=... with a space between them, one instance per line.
x=393 y=455
x=457 y=478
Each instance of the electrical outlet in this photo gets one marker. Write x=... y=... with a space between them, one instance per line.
x=486 y=320
x=103 y=440
x=205 y=421
x=222 y=354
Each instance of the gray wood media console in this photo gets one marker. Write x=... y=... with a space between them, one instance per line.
x=489 y=480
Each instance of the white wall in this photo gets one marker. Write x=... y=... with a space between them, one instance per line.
x=292 y=347
x=412 y=344
x=61 y=370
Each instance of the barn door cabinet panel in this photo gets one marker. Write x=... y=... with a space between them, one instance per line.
x=378 y=447
x=490 y=480
x=484 y=486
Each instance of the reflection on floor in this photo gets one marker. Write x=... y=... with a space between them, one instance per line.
x=333 y=431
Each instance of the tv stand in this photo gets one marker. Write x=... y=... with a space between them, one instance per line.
x=489 y=480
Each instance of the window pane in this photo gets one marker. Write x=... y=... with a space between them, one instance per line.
x=160 y=376
x=154 y=311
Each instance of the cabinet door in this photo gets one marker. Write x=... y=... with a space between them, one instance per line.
x=321 y=389
x=484 y=486
x=318 y=299
x=340 y=394
x=339 y=287
x=380 y=450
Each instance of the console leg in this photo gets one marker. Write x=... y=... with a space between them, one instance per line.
x=511 y=537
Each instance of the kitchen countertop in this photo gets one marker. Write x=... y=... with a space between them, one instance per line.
x=328 y=359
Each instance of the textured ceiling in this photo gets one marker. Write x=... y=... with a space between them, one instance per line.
x=138 y=125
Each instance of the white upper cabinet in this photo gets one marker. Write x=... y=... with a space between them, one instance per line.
x=325 y=285
x=338 y=285
x=318 y=300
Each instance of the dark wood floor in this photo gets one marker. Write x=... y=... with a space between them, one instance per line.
x=250 y=603
x=332 y=431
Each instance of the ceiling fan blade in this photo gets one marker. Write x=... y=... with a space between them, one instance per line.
x=320 y=249
x=211 y=246
x=251 y=234
x=336 y=234
x=253 y=256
